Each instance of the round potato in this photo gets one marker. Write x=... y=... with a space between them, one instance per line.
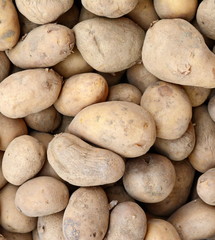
x=3 y=181
x=4 y=66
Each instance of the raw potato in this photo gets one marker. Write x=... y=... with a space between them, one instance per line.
x=11 y=219
x=202 y=157
x=176 y=9
x=160 y=229
x=9 y=26
x=4 y=66
x=92 y=86
x=3 y=181
x=177 y=149
x=110 y=9
x=170 y=108
x=81 y=164
x=205 y=18
x=211 y=108
x=124 y=92
x=99 y=39
x=24 y=93
x=177 y=37
x=44 y=46
x=41 y=196
x=205 y=187
x=149 y=178
x=10 y=129
x=194 y=220
x=42 y=12
x=123 y=127
x=16 y=236
x=23 y=159
x=86 y=215
x=46 y=120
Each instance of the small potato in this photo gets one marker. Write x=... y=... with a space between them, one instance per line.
x=149 y=178
x=123 y=127
x=24 y=93
x=205 y=187
x=4 y=66
x=92 y=86
x=86 y=215
x=23 y=159
x=11 y=219
x=211 y=108
x=41 y=196
x=16 y=236
x=170 y=108
x=3 y=181
x=36 y=50
x=124 y=92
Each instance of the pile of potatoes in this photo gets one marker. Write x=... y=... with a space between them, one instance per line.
x=107 y=120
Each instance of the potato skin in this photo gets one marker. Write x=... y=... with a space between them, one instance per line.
x=4 y=66
x=86 y=215
x=98 y=123
x=23 y=93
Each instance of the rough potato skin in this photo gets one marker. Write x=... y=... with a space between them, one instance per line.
x=4 y=66
x=109 y=45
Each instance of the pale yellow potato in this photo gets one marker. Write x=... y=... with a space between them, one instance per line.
x=41 y=196
x=11 y=219
x=9 y=26
x=149 y=178
x=3 y=181
x=170 y=107
x=211 y=108
x=92 y=86
x=24 y=93
x=4 y=66
x=23 y=159
x=123 y=127
x=81 y=164
x=86 y=215
x=124 y=92
x=42 y=12
x=112 y=78
x=44 y=46
x=85 y=14
x=16 y=236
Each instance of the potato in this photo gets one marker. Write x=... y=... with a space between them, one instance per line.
x=92 y=86
x=149 y=178
x=169 y=38
x=160 y=229
x=4 y=66
x=50 y=227
x=102 y=43
x=177 y=149
x=86 y=215
x=124 y=92
x=138 y=76
x=46 y=120
x=205 y=187
x=85 y=14
x=81 y=164
x=23 y=93
x=9 y=25
x=41 y=196
x=112 y=78
x=179 y=194
x=16 y=236
x=205 y=18
x=176 y=9
x=202 y=157
x=11 y=219
x=23 y=159
x=194 y=220
x=122 y=127
x=170 y=108
x=37 y=50
x=211 y=108
x=144 y=14
x=42 y=12
x=127 y=221
x=3 y=181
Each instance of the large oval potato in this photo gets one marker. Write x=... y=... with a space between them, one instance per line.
x=23 y=93
x=4 y=66
x=123 y=127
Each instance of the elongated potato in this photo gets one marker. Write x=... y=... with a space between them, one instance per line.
x=97 y=123
x=191 y=51
x=86 y=215
x=3 y=181
x=32 y=52
x=81 y=164
x=4 y=66
x=24 y=93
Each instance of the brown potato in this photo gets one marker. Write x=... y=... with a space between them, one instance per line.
x=86 y=215
x=211 y=108
x=4 y=66
x=170 y=108
x=41 y=196
x=16 y=236
x=149 y=178
x=3 y=181
x=23 y=93
x=97 y=123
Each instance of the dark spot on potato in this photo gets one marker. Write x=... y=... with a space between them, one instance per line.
x=138 y=144
x=165 y=91
x=94 y=234
x=8 y=34
x=145 y=125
